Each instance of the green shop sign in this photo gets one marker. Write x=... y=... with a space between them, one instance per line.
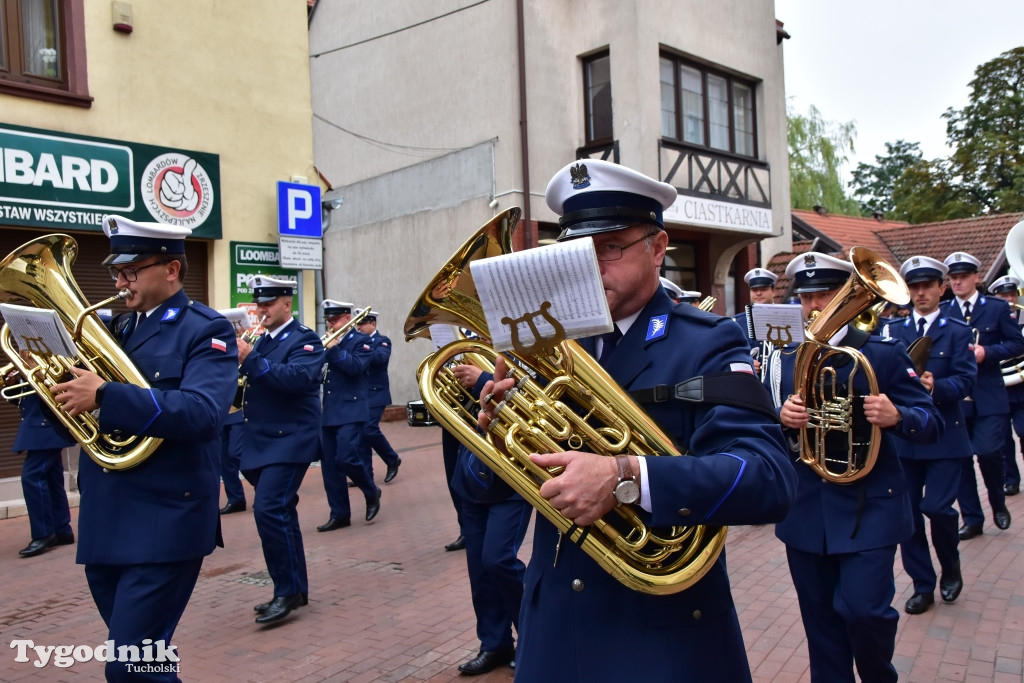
x=68 y=182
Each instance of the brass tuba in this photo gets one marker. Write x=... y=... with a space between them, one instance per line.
x=837 y=421
x=537 y=417
x=40 y=271
x=1013 y=368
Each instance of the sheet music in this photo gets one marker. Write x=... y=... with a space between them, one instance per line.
x=779 y=324
x=442 y=335
x=239 y=319
x=560 y=282
x=38 y=330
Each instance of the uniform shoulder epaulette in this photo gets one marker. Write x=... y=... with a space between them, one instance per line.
x=203 y=309
x=957 y=321
x=881 y=340
x=694 y=314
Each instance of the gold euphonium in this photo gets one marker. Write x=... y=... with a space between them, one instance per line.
x=40 y=272
x=837 y=422
x=538 y=417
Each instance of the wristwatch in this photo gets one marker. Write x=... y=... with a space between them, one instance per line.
x=626 y=490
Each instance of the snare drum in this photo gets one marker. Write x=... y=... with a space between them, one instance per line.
x=418 y=415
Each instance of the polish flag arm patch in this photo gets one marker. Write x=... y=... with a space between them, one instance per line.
x=307 y=347
x=741 y=367
x=218 y=344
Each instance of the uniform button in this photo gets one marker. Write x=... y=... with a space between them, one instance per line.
x=577 y=585
x=279 y=432
x=684 y=512
x=697 y=614
x=188 y=493
x=106 y=471
x=890 y=492
x=156 y=374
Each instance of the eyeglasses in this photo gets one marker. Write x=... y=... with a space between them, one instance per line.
x=130 y=274
x=613 y=252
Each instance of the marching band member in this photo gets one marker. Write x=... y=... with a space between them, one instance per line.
x=933 y=471
x=379 y=386
x=1007 y=288
x=143 y=531
x=577 y=621
x=281 y=436
x=345 y=412
x=987 y=410
x=841 y=538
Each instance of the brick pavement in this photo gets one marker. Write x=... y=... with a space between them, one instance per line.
x=388 y=604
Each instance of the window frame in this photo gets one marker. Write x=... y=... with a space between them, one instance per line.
x=71 y=86
x=731 y=82
x=587 y=109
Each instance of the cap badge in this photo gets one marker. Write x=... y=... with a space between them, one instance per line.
x=957 y=257
x=916 y=262
x=580 y=177
x=113 y=226
x=809 y=261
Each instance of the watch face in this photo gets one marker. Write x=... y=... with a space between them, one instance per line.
x=627 y=491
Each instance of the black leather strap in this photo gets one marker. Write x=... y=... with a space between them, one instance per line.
x=739 y=389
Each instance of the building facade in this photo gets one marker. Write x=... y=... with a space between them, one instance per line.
x=188 y=112
x=431 y=117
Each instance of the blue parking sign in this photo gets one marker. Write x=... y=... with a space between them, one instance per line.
x=298 y=210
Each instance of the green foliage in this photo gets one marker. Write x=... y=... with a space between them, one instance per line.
x=874 y=185
x=817 y=151
x=984 y=174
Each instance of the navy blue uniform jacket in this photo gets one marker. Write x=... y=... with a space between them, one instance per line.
x=737 y=474
x=39 y=429
x=377 y=370
x=999 y=334
x=825 y=516
x=166 y=508
x=953 y=365
x=282 y=398
x=345 y=392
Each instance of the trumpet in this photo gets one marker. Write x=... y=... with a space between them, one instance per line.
x=346 y=328
x=249 y=337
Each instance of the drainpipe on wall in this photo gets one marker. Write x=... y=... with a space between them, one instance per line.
x=524 y=130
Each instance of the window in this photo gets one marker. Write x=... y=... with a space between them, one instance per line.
x=597 y=88
x=42 y=50
x=703 y=107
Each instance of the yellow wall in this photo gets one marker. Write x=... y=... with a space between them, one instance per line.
x=225 y=77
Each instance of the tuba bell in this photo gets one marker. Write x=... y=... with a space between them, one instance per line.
x=837 y=421
x=40 y=272
x=1013 y=368
x=537 y=418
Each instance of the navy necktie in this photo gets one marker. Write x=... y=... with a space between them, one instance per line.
x=608 y=342
x=921 y=322
x=967 y=311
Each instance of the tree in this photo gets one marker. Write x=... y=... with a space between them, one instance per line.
x=987 y=135
x=874 y=185
x=926 y=192
x=817 y=151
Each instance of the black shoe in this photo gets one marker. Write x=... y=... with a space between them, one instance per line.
x=40 y=545
x=458 y=544
x=969 y=531
x=279 y=608
x=264 y=606
x=372 y=506
x=233 y=507
x=487 y=661
x=334 y=523
x=351 y=484
x=950 y=586
x=919 y=603
x=392 y=472
x=1011 y=489
x=1002 y=518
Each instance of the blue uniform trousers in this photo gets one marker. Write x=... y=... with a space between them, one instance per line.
x=933 y=486
x=342 y=457
x=374 y=440
x=275 y=503
x=230 y=461
x=847 y=612
x=987 y=439
x=1010 y=452
x=140 y=601
x=450 y=453
x=42 y=484
x=493 y=535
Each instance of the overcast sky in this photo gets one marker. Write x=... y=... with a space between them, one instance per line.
x=892 y=66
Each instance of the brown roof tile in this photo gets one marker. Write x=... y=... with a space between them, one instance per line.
x=852 y=231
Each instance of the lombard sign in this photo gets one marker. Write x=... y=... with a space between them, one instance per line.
x=61 y=181
x=256 y=258
x=716 y=214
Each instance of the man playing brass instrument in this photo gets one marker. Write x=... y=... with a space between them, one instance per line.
x=933 y=471
x=143 y=531
x=841 y=538
x=1008 y=288
x=578 y=623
